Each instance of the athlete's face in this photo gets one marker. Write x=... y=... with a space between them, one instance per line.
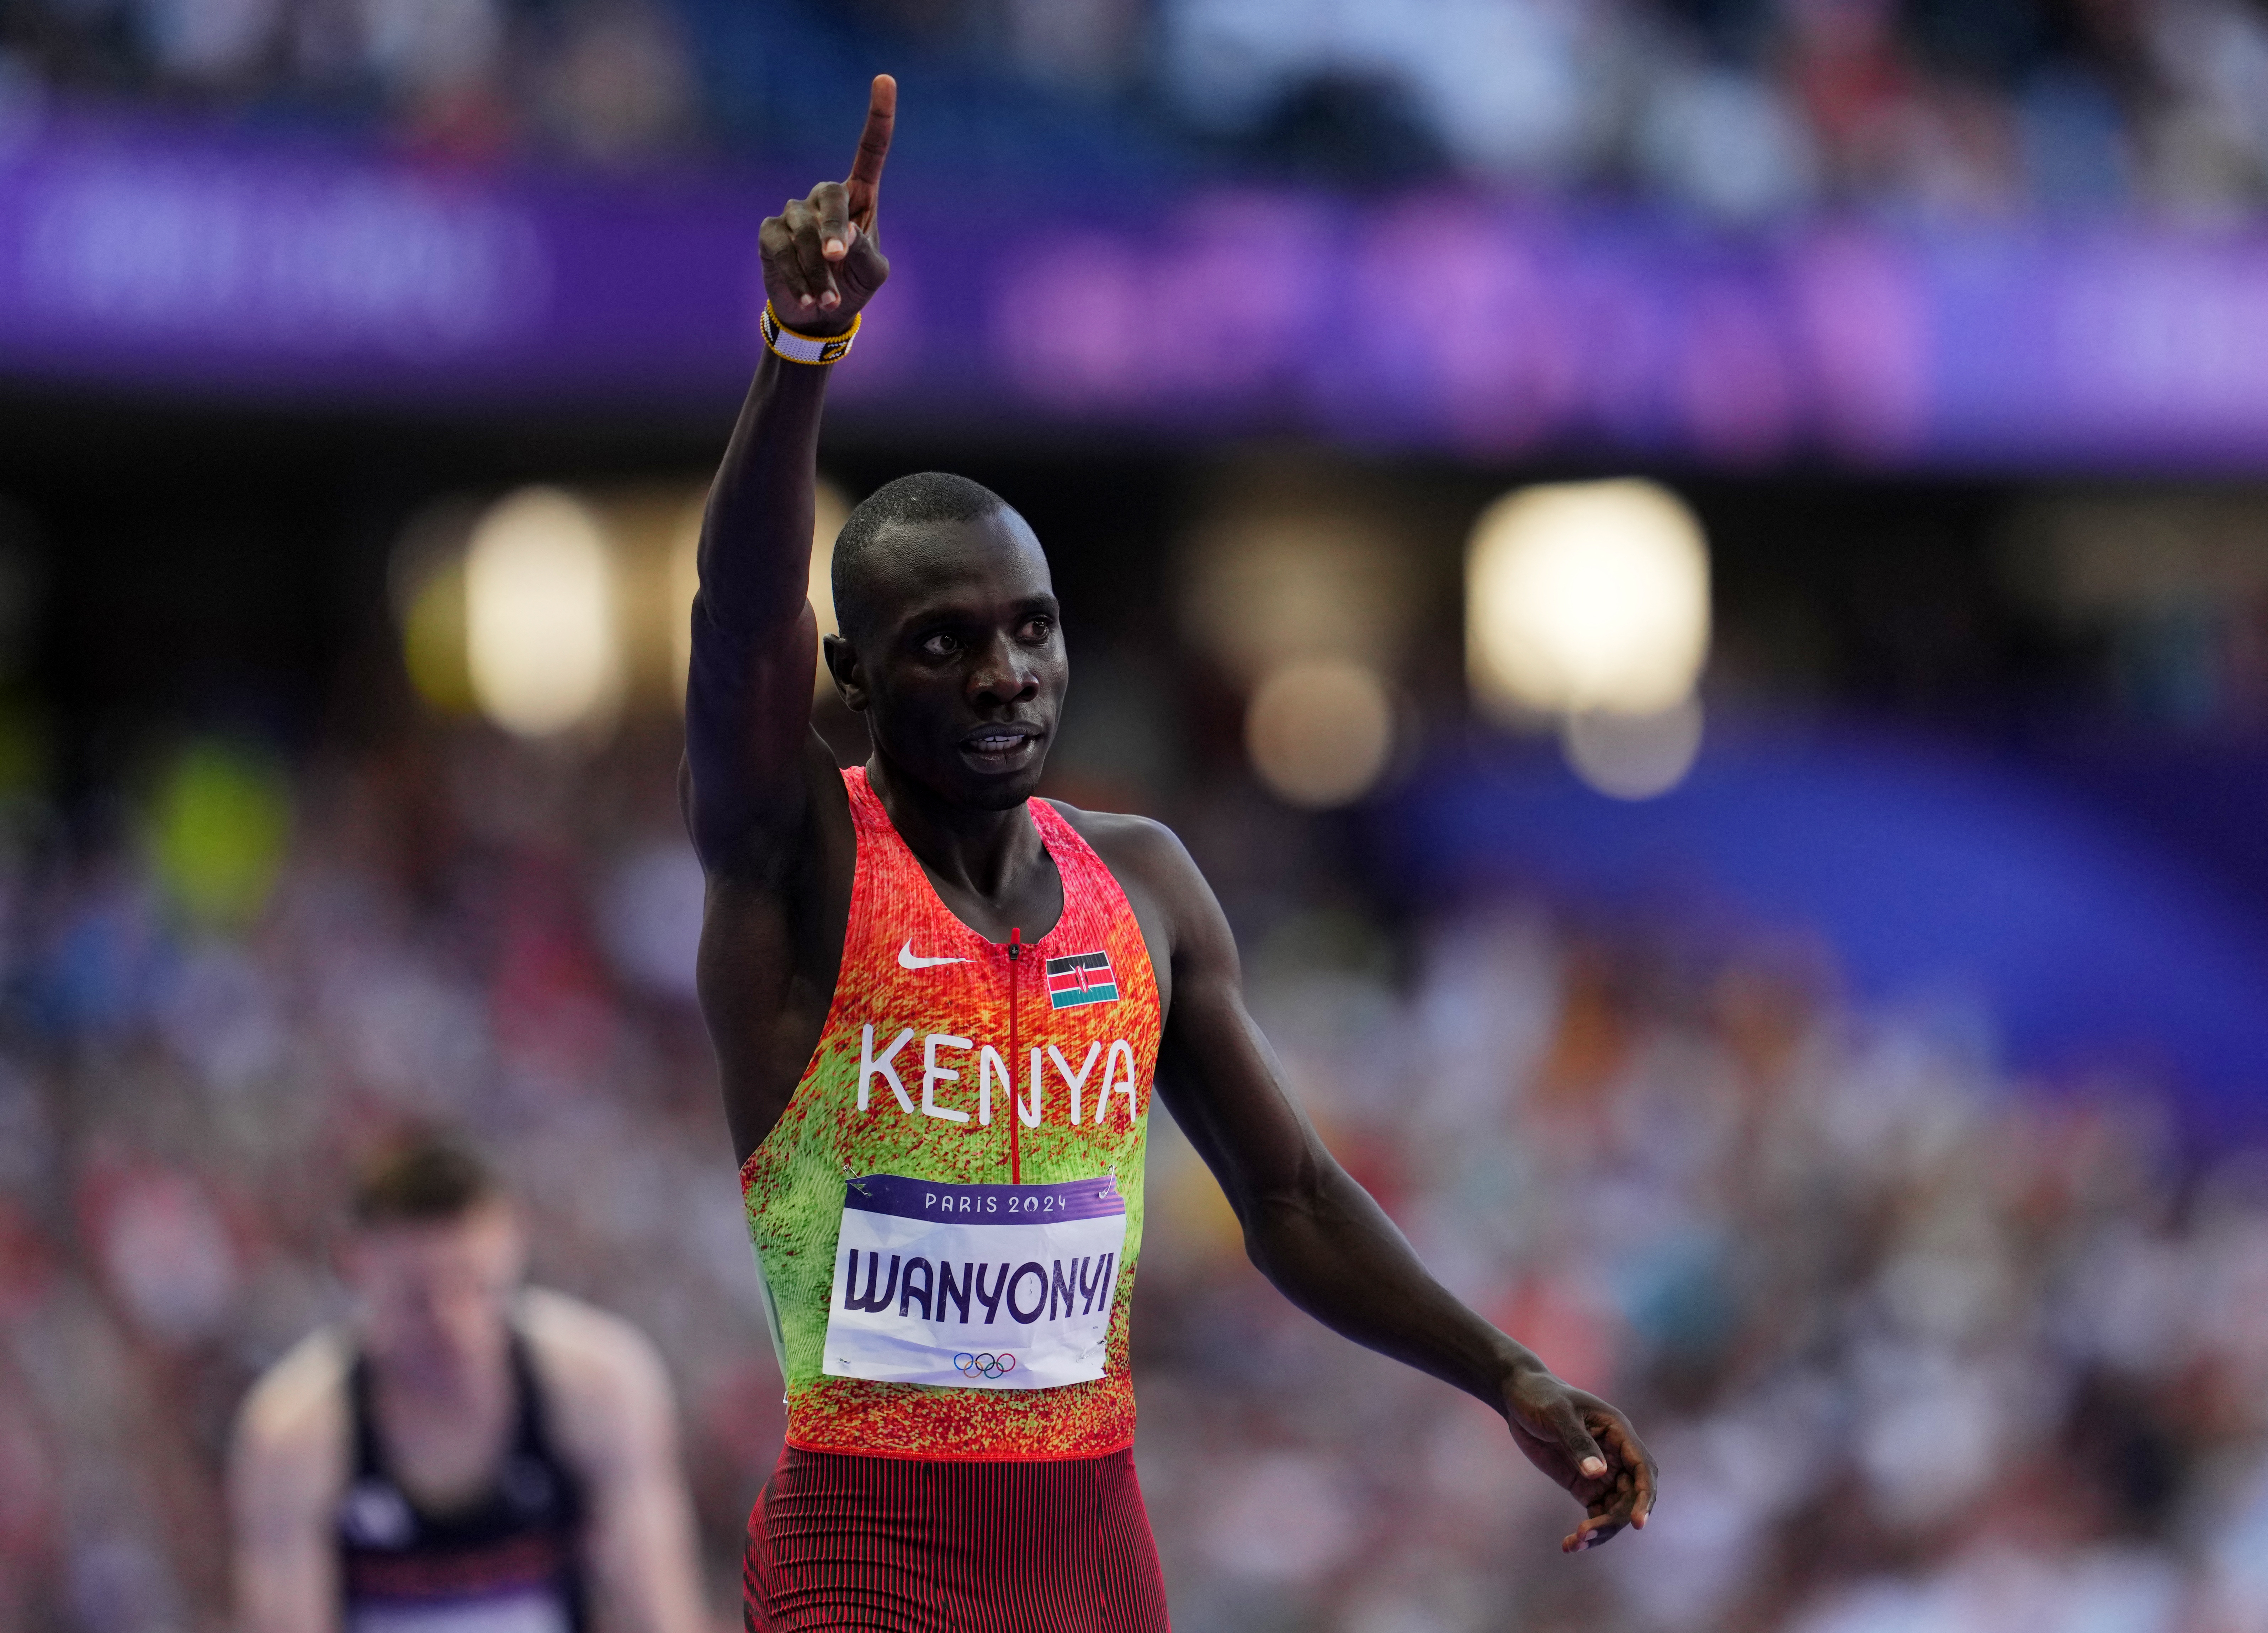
x=961 y=672
x=434 y=1296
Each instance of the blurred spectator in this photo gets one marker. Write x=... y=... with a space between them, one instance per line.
x=468 y=1451
x=615 y=83
x=1922 y=1349
x=1740 y=110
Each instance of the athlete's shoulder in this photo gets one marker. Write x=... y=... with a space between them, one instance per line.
x=1168 y=893
x=1155 y=869
x=293 y=1423
x=571 y=1333
x=593 y=1362
x=1141 y=845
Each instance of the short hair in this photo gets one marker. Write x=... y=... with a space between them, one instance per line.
x=424 y=1178
x=923 y=497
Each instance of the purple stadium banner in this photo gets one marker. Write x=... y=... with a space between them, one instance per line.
x=151 y=257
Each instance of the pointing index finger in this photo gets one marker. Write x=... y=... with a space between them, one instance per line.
x=865 y=179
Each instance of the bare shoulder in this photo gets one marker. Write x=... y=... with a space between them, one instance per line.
x=586 y=1345
x=1136 y=848
x=602 y=1373
x=1170 y=898
x=291 y=1431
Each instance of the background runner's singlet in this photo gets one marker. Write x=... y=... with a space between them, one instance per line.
x=509 y=1564
x=954 y=1072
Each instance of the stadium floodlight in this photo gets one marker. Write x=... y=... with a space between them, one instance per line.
x=540 y=641
x=1319 y=731
x=1586 y=598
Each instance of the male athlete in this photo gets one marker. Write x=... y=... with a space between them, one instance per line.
x=938 y=1004
x=470 y=1455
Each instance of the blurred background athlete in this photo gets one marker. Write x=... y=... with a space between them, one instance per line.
x=470 y=1455
x=938 y=1004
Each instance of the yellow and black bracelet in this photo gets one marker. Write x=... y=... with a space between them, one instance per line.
x=807 y=348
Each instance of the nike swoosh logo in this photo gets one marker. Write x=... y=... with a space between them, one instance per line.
x=908 y=959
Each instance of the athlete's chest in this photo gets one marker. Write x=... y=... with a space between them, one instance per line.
x=1029 y=913
x=949 y=1028
x=1029 y=908
x=938 y=1031
x=444 y=1461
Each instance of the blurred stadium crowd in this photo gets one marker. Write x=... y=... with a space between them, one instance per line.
x=1922 y=1348
x=1917 y=1351
x=1741 y=110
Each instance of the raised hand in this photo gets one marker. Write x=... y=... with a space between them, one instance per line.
x=821 y=262
x=1588 y=1447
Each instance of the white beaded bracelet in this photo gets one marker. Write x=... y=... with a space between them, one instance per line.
x=807 y=348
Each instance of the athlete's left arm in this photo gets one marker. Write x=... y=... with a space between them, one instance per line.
x=1321 y=1240
x=613 y=1417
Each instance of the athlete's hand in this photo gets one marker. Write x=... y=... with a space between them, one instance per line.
x=820 y=260
x=1588 y=1447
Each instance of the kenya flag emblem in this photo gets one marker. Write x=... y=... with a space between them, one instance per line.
x=1082 y=978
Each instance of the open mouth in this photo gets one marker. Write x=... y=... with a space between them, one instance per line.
x=1000 y=746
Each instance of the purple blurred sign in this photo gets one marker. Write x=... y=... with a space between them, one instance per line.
x=148 y=257
x=145 y=258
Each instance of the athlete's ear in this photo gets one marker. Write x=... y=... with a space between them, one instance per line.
x=844 y=669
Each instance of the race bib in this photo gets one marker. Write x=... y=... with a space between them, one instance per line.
x=975 y=1286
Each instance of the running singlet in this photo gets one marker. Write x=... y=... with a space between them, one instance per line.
x=507 y=1564
x=948 y=1214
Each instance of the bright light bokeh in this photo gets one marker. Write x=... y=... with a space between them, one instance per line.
x=1268 y=587
x=1320 y=732
x=1634 y=756
x=541 y=642
x=217 y=829
x=1586 y=597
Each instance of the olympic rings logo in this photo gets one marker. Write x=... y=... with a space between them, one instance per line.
x=985 y=1365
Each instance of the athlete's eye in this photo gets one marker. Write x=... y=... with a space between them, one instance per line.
x=1038 y=628
x=940 y=646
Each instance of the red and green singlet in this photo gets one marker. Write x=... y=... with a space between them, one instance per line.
x=1006 y=1087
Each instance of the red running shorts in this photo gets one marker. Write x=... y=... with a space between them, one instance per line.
x=893 y=1545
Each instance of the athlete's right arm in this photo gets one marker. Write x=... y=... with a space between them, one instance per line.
x=614 y=1418
x=287 y=1470
x=747 y=706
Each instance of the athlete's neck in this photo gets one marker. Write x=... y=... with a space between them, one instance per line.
x=991 y=861
x=445 y=1379
x=444 y=1421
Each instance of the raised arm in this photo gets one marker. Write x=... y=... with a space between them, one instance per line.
x=747 y=704
x=1329 y=1249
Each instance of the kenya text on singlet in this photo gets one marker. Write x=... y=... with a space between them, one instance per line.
x=948 y=1214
